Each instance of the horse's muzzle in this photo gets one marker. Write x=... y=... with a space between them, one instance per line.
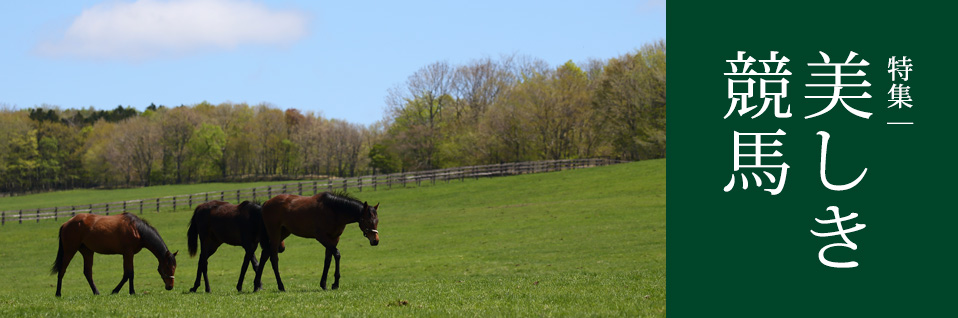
x=373 y=243
x=169 y=287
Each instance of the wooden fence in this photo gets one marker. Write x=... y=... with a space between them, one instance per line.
x=358 y=184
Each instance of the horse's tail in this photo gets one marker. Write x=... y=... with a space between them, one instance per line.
x=193 y=232
x=58 y=263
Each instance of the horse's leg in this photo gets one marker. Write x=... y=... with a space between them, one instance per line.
x=270 y=252
x=336 y=275
x=127 y=273
x=249 y=257
x=206 y=250
x=68 y=253
x=199 y=272
x=88 y=268
x=209 y=249
x=257 y=281
x=274 y=260
x=329 y=257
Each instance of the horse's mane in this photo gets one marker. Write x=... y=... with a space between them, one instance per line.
x=341 y=201
x=151 y=238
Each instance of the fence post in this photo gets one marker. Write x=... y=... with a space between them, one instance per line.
x=403 y=177
x=141 y=207
x=107 y=209
x=269 y=192
x=345 y=187
x=222 y=195
x=174 y=203
x=329 y=185
x=191 y=201
x=73 y=211
x=300 y=186
x=20 y=215
x=38 y=216
x=3 y=218
x=124 y=206
x=55 y=211
x=254 y=194
x=157 y=205
x=315 y=188
x=284 y=189
x=237 y=195
x=360 y=184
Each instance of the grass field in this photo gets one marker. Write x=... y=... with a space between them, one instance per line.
x=588 y=242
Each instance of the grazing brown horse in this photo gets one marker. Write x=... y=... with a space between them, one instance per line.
x=218 y=222
x=323 y=217
x=123 y=234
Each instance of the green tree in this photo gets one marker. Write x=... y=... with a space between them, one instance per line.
x=382 y=160
x=206 y=148
x=631 y=95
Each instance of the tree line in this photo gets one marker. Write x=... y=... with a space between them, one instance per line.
x=485 y=111
x=520 y=109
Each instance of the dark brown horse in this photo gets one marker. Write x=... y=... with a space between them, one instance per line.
x=218 y=222
x=123 y=234
x=323 y=217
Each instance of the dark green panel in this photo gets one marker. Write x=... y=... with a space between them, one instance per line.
x=747 y=253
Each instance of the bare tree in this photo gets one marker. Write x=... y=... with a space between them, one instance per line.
x=136 y=149
x=177 y=126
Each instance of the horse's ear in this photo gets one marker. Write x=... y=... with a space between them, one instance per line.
x=174 y=253
x=377 y=206
x=365 y=206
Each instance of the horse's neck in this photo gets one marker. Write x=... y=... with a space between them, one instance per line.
x=152 y=241
x=348 y=217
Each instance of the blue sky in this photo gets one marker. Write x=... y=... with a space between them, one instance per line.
x=335 y=58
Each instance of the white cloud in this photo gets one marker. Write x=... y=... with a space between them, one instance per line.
x=148 y=29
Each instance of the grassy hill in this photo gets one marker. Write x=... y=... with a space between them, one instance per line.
x=587 y=242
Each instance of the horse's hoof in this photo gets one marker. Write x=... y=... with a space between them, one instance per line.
x=335 y=286
x=192 y=290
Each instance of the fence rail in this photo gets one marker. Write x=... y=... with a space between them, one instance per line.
x=360 y=184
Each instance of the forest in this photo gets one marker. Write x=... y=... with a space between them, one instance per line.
x=509 y=109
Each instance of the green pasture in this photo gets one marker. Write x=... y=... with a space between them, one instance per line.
x=587 y=242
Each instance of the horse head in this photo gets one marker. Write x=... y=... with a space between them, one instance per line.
x=368 y=222
x=167 y=268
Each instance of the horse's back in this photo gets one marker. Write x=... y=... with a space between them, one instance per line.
x=291 y=212
x=112 y=234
